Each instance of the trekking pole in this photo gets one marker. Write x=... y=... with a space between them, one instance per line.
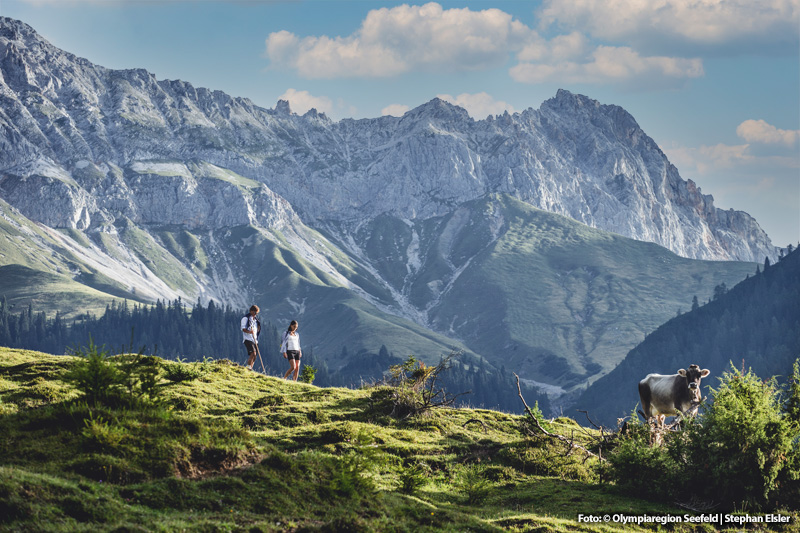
x=264 y=370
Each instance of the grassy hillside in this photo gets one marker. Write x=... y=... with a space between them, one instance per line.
x=23 y=286
x=231 y=450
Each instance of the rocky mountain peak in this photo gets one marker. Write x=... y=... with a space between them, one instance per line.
x=283 y=108
x=572 y=156
x=441 y=110
x=16 y=30
x=580 y=108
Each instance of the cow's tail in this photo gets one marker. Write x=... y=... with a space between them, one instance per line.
x=641 y=414
x=646 y=399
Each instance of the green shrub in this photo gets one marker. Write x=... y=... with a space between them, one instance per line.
x=414 y=388
x=307 y=374
x=742 y=452
x=95 y=375
x=742 y=448
x=529 y=426
x=350 y=476
x=100 y=435
x=413 y=477
x=110 y=380
x=352 y=473
x=639 y=467
x=793 y=397
x=472 y=481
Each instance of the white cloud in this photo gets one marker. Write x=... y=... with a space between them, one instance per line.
x=394 y=41
x=608 y=64
x=704 y=160
x=560 y=48
x=759 y=131
x=404 y=38
x=395 y=110
x=302 y=101
x=478 y=105
x=706 y=22
x=766 y=187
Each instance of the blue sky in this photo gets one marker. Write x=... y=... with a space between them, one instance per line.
x=716 y=83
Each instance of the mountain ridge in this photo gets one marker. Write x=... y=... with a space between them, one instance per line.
x=164 y=190
x=300 y=158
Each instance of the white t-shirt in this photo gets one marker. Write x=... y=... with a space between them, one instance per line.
x=292 y=342
x=249 y=322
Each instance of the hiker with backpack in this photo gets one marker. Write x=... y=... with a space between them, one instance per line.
x=251 y=328
x=290 y=346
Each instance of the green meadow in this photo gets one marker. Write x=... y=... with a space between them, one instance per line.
x=212 y=447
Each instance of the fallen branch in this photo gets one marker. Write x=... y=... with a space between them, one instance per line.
x=570 y=443
x=589 y=419
x=478 y=421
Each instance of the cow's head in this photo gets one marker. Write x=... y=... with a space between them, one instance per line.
x=693 y=377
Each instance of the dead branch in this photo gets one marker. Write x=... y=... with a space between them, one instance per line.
x=570 y=443
x=589 y=419
x=476 y=420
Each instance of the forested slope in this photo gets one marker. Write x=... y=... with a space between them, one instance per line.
x=756 y=324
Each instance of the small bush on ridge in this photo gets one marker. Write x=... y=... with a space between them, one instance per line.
x=307 y=374
x=742 y=452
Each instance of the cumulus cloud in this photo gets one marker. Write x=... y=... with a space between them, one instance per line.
x=302 y=101
x=759 y=131
x=704 y=22
x=396 y=40
x=607 y=64
x=478 y=105
x=395 y=110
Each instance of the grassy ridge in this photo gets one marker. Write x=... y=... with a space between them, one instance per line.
x=53 y=293
x=232 y=450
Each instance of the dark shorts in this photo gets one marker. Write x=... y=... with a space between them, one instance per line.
x=293 y=354
x=251 y=346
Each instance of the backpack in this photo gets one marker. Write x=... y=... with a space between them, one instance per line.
x=258 y=325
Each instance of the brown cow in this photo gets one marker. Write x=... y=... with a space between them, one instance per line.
x=664 y=396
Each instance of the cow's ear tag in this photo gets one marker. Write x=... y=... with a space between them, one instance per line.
x=682 y=372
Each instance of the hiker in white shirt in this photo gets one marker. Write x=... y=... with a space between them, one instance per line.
x=291 y=350
x=250 y=330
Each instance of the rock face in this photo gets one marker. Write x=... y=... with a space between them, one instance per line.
x=573 y=156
